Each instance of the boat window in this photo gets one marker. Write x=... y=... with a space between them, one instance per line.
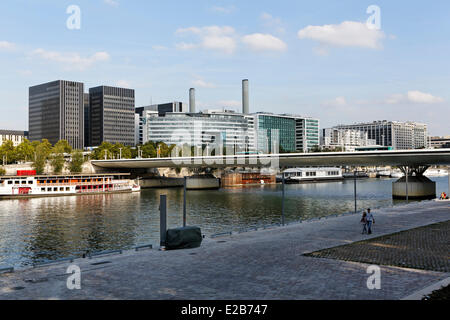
x=16 y=182
x=49 y=189
x=55 y=189
x=30 y=182
x=67 y=189
x=42 y=189
x=61 y=189
x=10 y=182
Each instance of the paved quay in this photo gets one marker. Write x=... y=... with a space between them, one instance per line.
x=265 y=264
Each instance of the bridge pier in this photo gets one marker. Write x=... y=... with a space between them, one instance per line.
x=414 y=185
x=202 y=182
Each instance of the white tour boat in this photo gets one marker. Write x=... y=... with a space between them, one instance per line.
x=65 y=185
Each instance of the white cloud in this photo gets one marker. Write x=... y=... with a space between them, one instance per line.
x=421 y=97
x=224 y=10
x=113 y=3
x=337 y=102
x=5 y=45
x=346 y=34
x=217 y=38
x=272 y=23
x=203 y=84
x=71 y=60
x=416 y=97
x=264 y=42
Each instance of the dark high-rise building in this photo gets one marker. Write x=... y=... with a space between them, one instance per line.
x=112 y=115
x=162 y=109
x=87 y=121
x=56 y=112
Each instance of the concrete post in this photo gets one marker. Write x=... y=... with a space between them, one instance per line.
x=282 y=198
x=184 y=202
x=406 y=184
x=163 y=219
x=354 y=183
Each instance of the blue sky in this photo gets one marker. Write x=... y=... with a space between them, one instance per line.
x=315 y=58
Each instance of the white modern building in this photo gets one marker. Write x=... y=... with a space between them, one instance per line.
x=17 y=137
x=395 y=134
x=209 y=128
x=345 y=139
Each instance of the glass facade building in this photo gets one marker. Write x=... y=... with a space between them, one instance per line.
x=294 y=133
x=56 y=112
x=112 y=115
x=198 y=129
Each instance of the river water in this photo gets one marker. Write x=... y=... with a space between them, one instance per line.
x=42 y=229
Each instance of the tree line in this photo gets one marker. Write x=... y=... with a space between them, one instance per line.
x=40 y=153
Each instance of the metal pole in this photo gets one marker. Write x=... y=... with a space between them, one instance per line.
x=163 y=219
x=354 y=183
x=448 y=170
x=406 y=185
x=282 y=198
x=184 y=202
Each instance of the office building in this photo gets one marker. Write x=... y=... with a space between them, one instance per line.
x=87 y=120
x=295 y=133
x=225 y=129
x=398 y=135
x=112 y=115
x=345 y=139
x=440 y=142
x=162 y=109
x=56 y=112
x=17 y=137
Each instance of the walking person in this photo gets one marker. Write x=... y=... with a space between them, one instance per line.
x=370 y=220
x=364 y=222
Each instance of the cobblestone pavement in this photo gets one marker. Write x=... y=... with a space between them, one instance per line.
x=426 y=248
x=266 y=264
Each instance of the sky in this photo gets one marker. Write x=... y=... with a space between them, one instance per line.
x=340 y=61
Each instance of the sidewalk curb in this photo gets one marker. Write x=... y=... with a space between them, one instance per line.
x=418 y=295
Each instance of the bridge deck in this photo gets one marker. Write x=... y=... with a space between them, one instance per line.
x=372 y=158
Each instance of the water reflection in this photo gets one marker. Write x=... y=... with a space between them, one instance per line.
x=42 y=229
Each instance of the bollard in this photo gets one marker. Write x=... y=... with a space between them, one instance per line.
x=356 y=204
x=282 y=199
x=163 y=219
x=406 y=184
x=184 y=202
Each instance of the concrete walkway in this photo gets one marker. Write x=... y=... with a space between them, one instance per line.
x=266 y=264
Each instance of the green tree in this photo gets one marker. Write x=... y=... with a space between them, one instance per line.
x=41 y=155
x=25 y=151
x=8 y=152
x=57 y=158
x=99 y=153
x=64 y=146
x=76 y=164
x=2 y=171
x=149 y=150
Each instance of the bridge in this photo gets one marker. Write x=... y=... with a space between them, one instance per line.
x=413 y=163
x=410 y=158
